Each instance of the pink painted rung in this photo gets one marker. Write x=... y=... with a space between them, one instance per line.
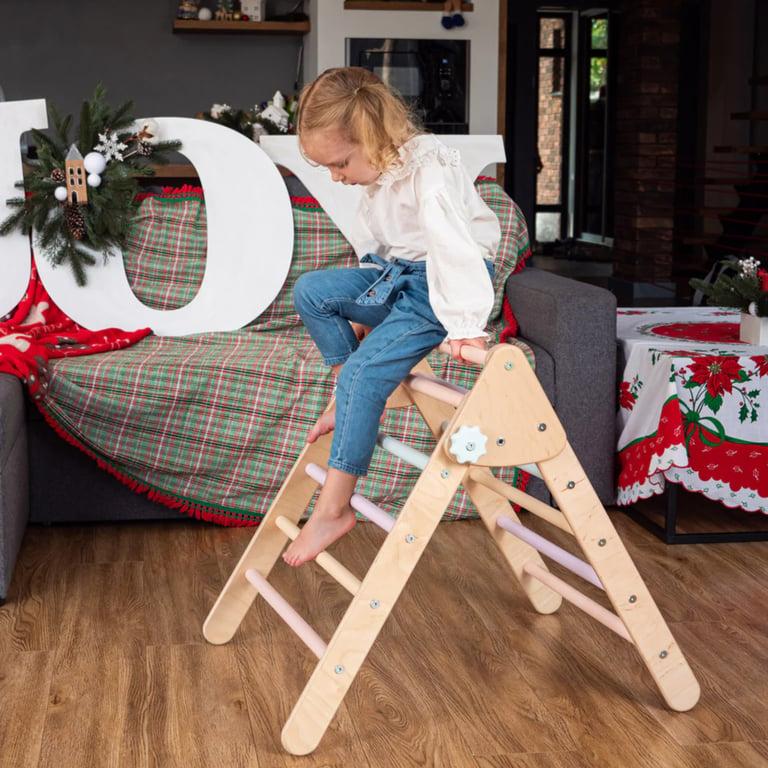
x=572 y=595
x=473 y=354
x=434 y=388
x=552 y=551
x=359 y=503
x=287 y=613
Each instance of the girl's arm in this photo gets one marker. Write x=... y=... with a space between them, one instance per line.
x=460 y=288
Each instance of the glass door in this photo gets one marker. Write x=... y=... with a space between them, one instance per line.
x=594 y=156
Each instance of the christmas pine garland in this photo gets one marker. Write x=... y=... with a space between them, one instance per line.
x=111 y=141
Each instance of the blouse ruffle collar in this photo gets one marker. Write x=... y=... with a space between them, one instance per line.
x=415 y=153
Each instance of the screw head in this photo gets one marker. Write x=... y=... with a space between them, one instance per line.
x=663 y=654
x=500 y=441
x=410 y=538
x=444 y=473
x=571 y=485
x=633 y=598
x=338 y=669
x=509 y=365
x=542 y=427
x=375 y=603
x=470 y=446
x=601 y=543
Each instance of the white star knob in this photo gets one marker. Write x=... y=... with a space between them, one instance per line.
x=468 y=444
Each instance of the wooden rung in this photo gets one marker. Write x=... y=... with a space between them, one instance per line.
x=327 y=562
x=287 y=613
x=546 y=547
x=572 y=595
x=357 y=502
x=473 y=354
x=434 y=388
x=402 y=450
x=536 y=507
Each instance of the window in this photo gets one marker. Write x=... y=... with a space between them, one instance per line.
x=552 y=132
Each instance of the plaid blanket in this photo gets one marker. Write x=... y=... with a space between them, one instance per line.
x=211 y=423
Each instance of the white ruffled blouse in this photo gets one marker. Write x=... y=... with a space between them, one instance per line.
x=426 y=207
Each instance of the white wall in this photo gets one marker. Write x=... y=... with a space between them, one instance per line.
x=324 y=46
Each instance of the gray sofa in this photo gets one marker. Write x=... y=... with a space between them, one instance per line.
x=570 y=326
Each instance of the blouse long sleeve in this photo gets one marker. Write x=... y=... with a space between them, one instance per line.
x=460 y=288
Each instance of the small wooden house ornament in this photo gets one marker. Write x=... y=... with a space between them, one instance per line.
x=77 y=189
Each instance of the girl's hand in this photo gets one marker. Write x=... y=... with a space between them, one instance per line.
x=361 y=331
x=457 y=344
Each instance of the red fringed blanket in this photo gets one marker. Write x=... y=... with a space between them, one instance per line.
x=37 y=331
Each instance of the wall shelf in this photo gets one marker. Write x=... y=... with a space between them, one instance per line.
x=267 y=27
x=395 y=5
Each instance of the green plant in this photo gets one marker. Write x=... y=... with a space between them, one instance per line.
x=742 y=283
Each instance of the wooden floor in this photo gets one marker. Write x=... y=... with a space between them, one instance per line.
x=102 y=662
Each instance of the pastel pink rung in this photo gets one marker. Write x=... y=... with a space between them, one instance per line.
x=359 y=503
x=552 y=551
x=287 y=612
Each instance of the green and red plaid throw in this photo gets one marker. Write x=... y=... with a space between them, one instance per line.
x=211 y=423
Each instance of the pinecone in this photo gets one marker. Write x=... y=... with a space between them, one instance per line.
x=144 y=148
x=75 y=221
x=57 y=175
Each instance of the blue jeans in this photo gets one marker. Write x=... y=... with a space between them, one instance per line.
x=392 y=297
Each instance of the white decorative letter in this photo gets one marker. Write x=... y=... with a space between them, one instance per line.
x=15 y=118
x=250 y=242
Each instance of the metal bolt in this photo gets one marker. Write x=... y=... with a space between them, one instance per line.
x=410 y=538
x=508 y=365
x=470 y=446
x=633 y=598
x=663 y=654
x=571 y=484
x=375 y=603
x=444 y=473
x=542 y=427
x=500 y=441
x=338 y=669
x=601 y=543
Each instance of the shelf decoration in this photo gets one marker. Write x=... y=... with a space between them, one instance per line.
x=276 y=116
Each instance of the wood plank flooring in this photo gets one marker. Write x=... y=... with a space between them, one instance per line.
x=102 y=662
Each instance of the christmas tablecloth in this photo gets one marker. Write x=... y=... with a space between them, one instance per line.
x=692 y=407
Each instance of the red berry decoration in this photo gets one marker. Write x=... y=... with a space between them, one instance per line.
x=245 y=17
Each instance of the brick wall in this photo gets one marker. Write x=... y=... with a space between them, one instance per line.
x=551 y=83
x=646 y=51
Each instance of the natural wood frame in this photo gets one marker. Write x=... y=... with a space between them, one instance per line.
x=507 y=382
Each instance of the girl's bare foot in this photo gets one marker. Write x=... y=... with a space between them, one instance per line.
x=324 y=424
x=318 y=533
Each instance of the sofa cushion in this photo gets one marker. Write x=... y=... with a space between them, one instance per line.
x=11 y=414
x=165 y=250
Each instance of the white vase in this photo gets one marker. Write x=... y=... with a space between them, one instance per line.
x=754 y=330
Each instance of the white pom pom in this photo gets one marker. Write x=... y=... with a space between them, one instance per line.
x=60 y=193
x=94 y=180
x=94 y=162
x=753 y=308
x=205 y=14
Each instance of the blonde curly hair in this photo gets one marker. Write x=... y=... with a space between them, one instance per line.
x=365 y=110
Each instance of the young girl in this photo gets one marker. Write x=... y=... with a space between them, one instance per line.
x=426 y=242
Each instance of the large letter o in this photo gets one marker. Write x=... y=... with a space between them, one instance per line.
x=250 y=242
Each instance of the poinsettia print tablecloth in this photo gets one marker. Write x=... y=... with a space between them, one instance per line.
x=693 y=407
